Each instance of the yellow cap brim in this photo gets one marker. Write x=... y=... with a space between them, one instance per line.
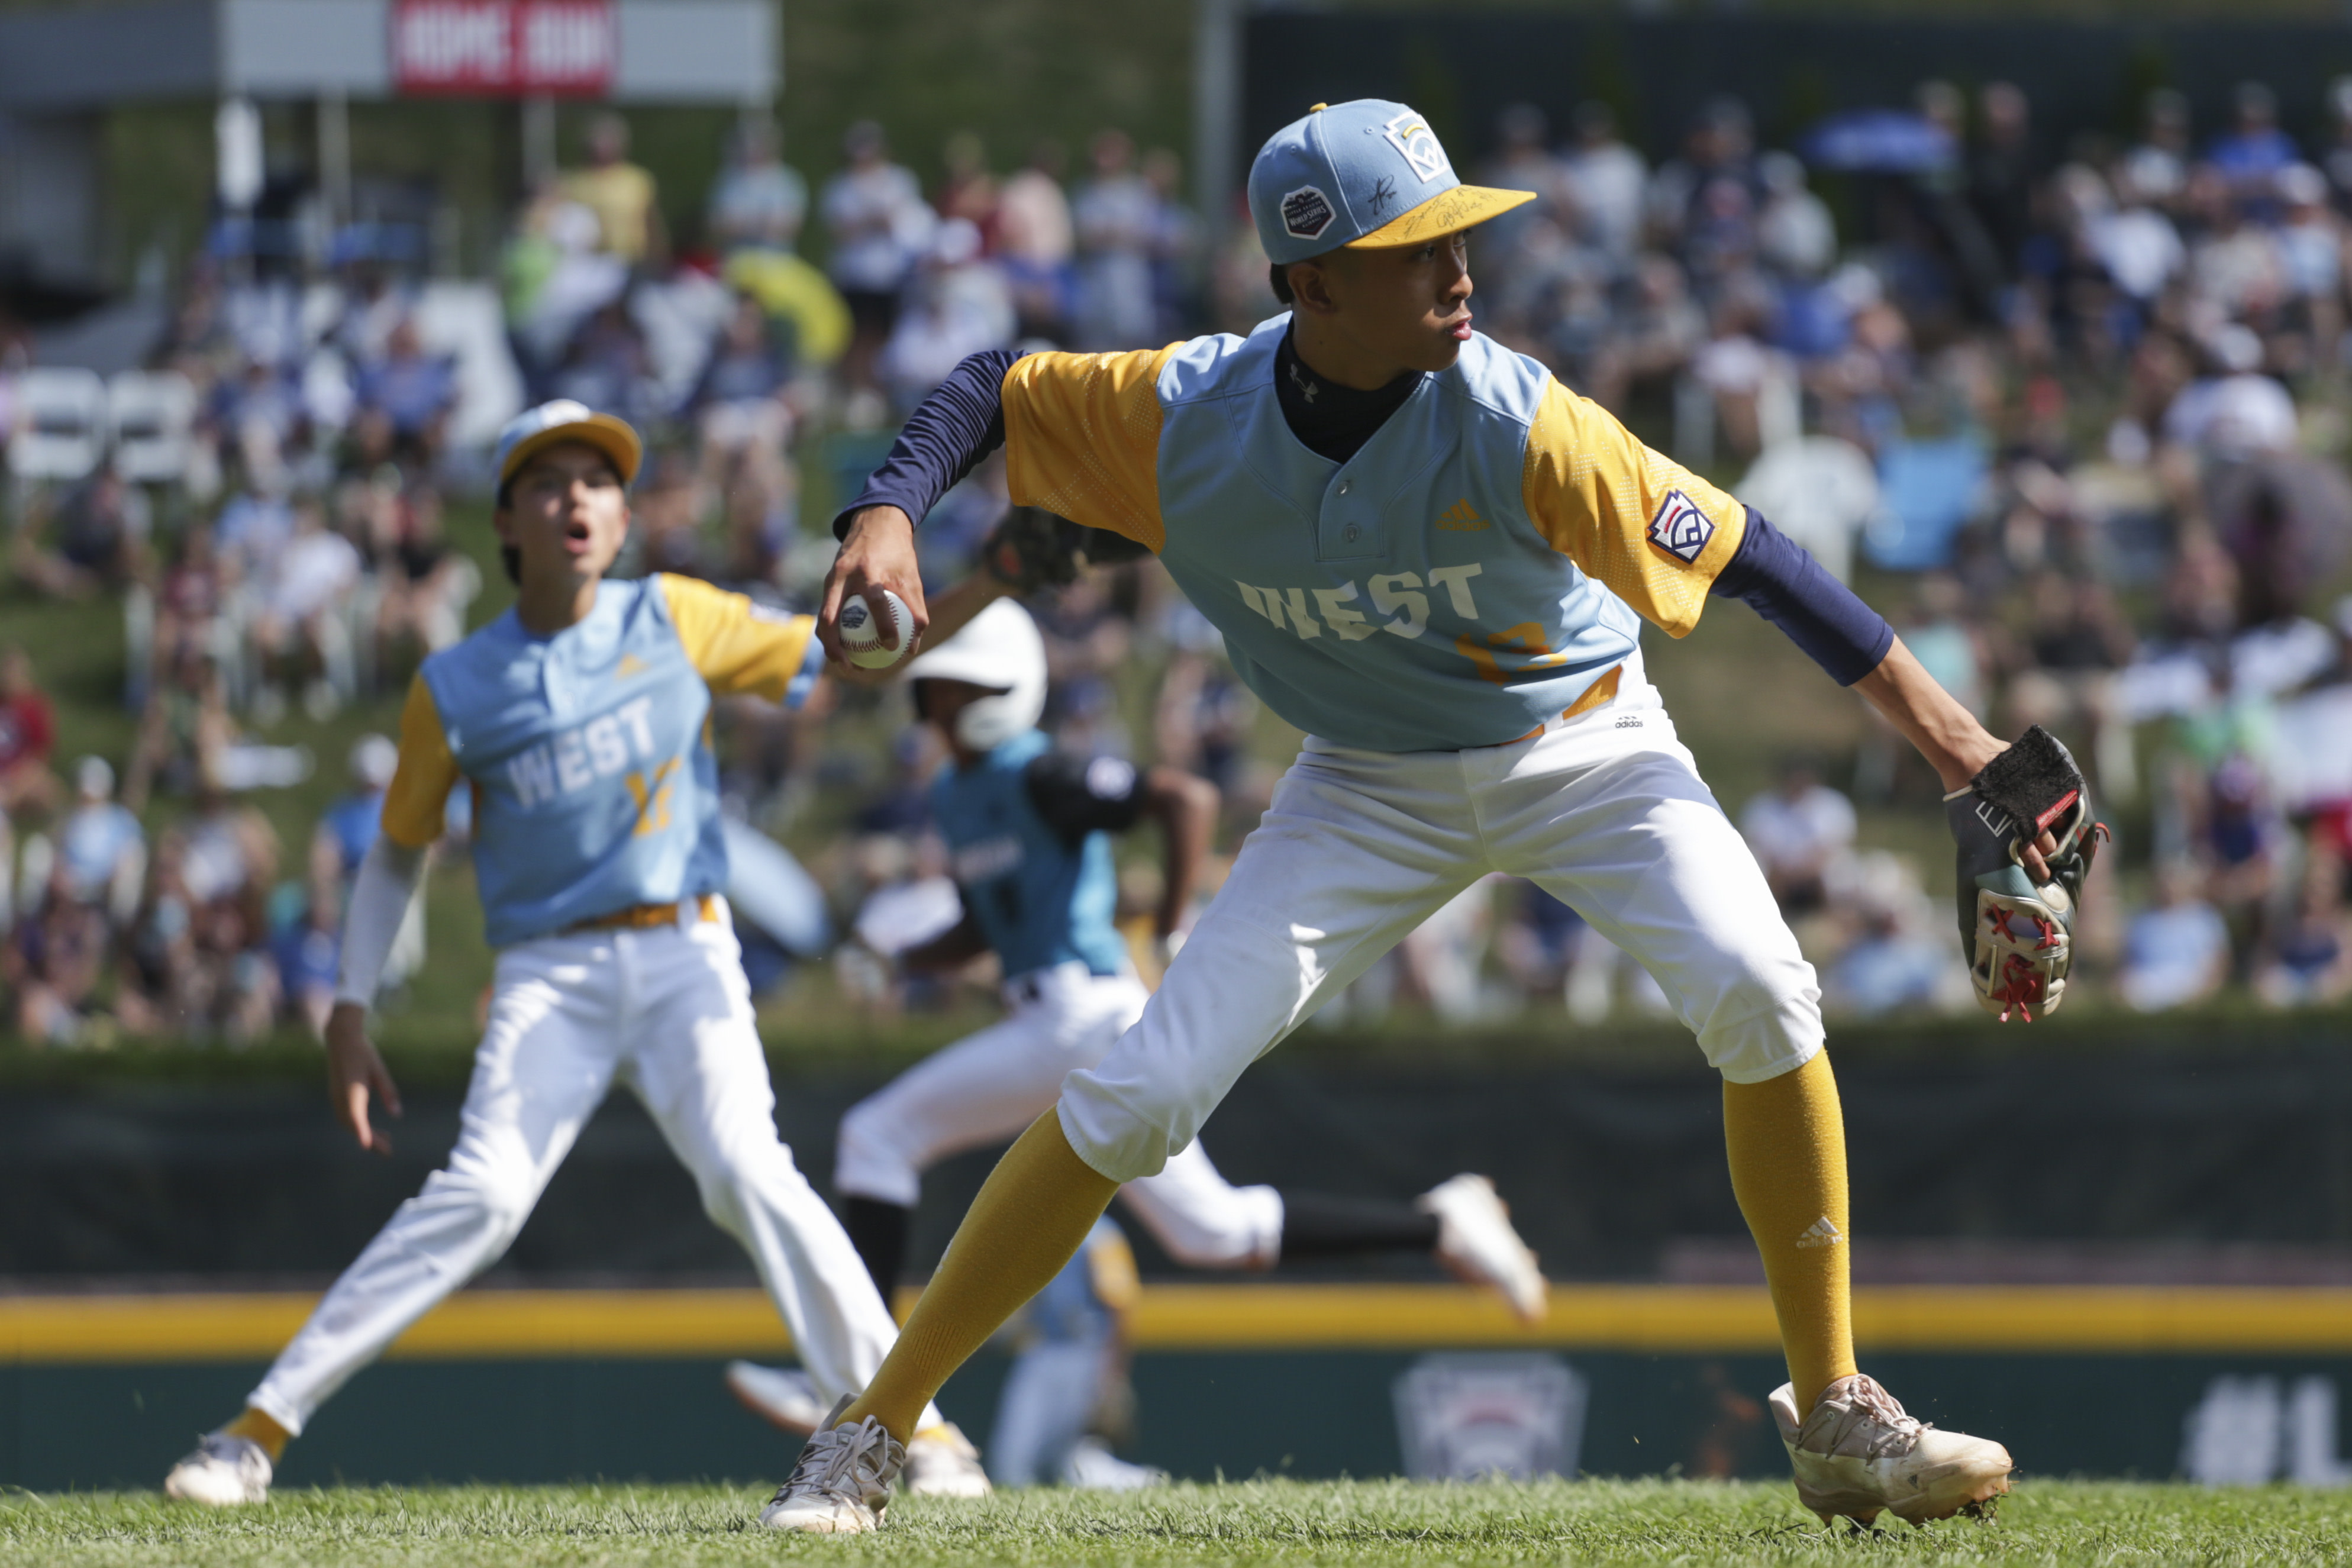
x=612 y=437
x=1448 y=212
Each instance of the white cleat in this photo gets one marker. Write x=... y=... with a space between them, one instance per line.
x=223 y=1472
x=1092 y=1467
x=782 y=1396
x=1858 y=1453
x=843 y=1482
x=1475 y=1240
x=941 y=1462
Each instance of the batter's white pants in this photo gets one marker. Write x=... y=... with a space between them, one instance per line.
x=988 y=1087
x=1606 y=812
x=665 y=1011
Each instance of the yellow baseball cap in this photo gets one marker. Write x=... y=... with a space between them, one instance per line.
x=534 y=430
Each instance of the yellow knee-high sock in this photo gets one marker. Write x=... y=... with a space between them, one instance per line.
x=253 y=1424
x=1787 y=1142
x=1031 y=1214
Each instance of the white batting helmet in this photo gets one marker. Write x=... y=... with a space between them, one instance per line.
x=998 y=649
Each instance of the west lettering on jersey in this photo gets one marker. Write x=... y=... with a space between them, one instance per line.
x=1396 y=595
x=576 y=758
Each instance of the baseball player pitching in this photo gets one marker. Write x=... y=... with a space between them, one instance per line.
x=1028 y=829
x=1436 y=560
x=578 y=720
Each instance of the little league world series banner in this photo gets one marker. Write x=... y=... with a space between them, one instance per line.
x=504 y=48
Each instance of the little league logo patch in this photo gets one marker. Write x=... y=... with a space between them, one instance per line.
x=1306 y=212
x=1680 y=529
x=1411 y=135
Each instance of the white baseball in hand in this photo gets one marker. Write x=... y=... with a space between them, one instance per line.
x=872 y=641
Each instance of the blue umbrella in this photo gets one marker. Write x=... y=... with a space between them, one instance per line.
x=1880 y=142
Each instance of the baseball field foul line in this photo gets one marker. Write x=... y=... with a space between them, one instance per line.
x=2112 y=1320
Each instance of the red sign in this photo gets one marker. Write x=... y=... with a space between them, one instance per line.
x=504 y=48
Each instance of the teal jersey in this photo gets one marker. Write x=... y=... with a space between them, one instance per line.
x=1028 y=836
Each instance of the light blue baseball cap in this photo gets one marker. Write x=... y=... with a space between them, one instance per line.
x=1368 y=174
x=534 y=430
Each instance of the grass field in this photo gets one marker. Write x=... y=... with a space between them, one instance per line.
x=1371 y=1523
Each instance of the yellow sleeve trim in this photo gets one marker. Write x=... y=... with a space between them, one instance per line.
x=735 y=645
x=414 y=804
x=1592 y=490
x=1081 y=439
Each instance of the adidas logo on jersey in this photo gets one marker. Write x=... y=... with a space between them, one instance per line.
x=630 y=665
x=1820 y=1233
x=1462 y=518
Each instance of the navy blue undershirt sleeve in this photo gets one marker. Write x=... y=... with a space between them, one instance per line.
x=950 y=432
x=1782 y=583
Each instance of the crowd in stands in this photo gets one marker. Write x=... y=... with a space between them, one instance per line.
x=2074 y=417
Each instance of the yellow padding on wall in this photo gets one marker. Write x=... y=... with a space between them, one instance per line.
x=1659 y=1318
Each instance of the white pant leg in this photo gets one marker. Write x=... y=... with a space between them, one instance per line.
x=984 y=1088
x=1049 y=1396
x=695 y=1061
x=1203 y=1220
x=544 y=1066
x=1610 y=817
x=1357 y=849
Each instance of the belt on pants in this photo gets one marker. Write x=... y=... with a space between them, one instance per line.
x=648 y=917
x=1600 y=694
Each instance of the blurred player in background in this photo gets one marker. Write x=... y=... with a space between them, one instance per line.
x=579 y=720
x=1029 y=832
x=1435 y=559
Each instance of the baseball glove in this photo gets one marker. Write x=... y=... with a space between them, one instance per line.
x=1032 y=549
x=2018 y=937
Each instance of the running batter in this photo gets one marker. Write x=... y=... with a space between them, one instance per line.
x=1436 y=560
x=579 y=719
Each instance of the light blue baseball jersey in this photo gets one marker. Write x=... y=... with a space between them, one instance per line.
x=588 y=752
x=1043 y=893
x=1480 y=567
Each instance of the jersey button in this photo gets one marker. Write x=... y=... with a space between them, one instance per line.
x=1344 y=484
x=1348 y=534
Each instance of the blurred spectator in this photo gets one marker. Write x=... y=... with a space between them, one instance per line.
x=957 y=306
x=404 y=401
x=423 y=586
x=1603 y=181
x=1799 y=831
x=87 y=538
x=1521 y=161
x=1175 y=246
x=1115 y=217
x=621 y=195
x=759 y=202
x=2234 y=410
x=2252 y=151
x=2176 y=951
x=2159 y=159
x=2310 y=964
x=2002 y=172
x=1897 y=955
x=1035 y=240
x=27 y=731
x=880 y=227
x=304 y=951
x=299 y=632
x=101 y=850
x=2076 y=640
x=53 y=964
x=1795 y=234
x=968 y=191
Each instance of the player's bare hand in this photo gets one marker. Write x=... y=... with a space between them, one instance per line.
x=2030 y=858
x=879 y=552
x=355 y=1071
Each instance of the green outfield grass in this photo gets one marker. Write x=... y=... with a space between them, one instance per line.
x=1371 y=1524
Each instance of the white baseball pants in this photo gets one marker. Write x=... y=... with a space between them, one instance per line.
x=667 y=1012
x=988 y=1087
x=1607 y=813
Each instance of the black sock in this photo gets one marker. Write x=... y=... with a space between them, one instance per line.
x=878 y=1231
x=1320 y=1225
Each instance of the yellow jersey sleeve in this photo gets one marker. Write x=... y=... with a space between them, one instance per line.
x=1081 y=439
x=1644 y=526
x=419 y=794
x=737 y=646
x=1110 y=1264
